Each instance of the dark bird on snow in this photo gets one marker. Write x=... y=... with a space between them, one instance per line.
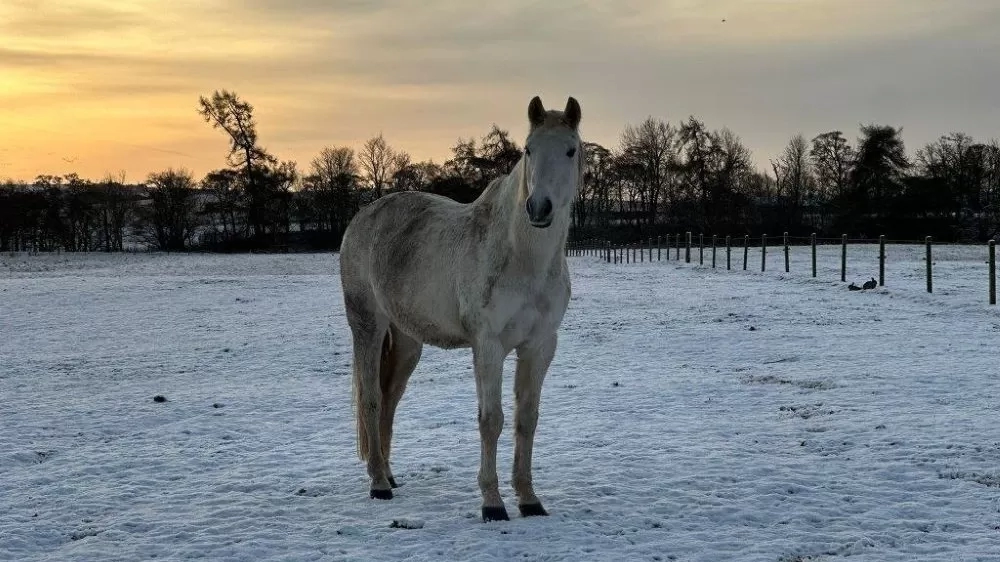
x=870 y=284
x=853 y=287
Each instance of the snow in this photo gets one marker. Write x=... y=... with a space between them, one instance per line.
x=857 y=425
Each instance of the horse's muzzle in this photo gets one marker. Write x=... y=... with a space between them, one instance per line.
x=539 y=215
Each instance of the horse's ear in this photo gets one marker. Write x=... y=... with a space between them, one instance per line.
x=536 y=112
x=572 y=112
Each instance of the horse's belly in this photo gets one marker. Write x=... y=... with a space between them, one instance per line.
x=435 y=325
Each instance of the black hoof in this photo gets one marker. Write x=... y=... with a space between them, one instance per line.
x=392 y=482
x=532 y=510
x=380 y=494
x=495 y=514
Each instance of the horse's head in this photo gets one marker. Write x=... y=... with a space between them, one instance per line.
x=553 y=161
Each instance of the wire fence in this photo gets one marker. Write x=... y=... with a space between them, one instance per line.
x=966 y=266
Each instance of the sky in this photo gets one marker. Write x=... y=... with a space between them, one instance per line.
x=103 y=87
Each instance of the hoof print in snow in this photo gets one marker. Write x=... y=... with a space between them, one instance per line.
x=406 y=524
x=217 y=405
x=990 y=480
x=77 y=535
x=492 y=513
x=301 y=492
x=532 y=510
x=804 y=384
x=380 y=494
x=753 y=328
x=159 y=398
x=616 y=383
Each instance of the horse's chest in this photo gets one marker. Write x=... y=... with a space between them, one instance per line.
x=525 y=315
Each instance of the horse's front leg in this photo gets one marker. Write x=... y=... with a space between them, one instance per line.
x=533 y=360
x=488 y=357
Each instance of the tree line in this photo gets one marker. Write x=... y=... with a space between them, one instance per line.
x=661 y=178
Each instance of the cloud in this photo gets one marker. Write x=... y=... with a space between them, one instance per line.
x=426 y=73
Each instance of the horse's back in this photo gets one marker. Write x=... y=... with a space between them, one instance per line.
x=394 y=225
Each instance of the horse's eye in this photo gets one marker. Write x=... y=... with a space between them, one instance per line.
x=571 y=152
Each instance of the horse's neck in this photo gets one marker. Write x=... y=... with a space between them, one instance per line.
x=531 y=247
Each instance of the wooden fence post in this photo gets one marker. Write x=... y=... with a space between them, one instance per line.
x=649 y=245
x=812 y=241
x=746 y=250
x=677 y=245
x=786 y=252
x=701 y=249
x=715 y=241
x=659 y=247
x=993 y=272
x=881 y=260
x=763 y=252
x=843 y=257
x=687 y=248
x=930 y=276
x=728 y=248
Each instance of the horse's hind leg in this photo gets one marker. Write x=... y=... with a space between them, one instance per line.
x=533 y=362
x=369 y=329
x=399 y=359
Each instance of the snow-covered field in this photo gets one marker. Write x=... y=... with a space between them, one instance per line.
x=690 y=414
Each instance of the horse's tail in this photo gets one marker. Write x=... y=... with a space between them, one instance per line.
x=385 y=369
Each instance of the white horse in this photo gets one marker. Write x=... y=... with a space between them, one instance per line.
x=491 y=275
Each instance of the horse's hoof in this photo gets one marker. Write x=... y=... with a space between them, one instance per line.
x=495 y=514
x=532 y=510
x=392 y=482
x=380 y=494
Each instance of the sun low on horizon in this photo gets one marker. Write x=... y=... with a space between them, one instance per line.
x=101 y=87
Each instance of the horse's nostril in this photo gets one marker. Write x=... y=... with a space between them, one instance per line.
x=546 y=207
x=538 y=211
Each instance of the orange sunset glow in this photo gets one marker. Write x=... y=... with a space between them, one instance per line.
x=101 y=86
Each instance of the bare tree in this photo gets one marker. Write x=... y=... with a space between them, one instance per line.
x=497 y=154
x=226 y=204
x=116 y=211
x=594 y=197
x=794 y=180
x=463 y=165
x=378 y=162
x=963 y=175
x=226 y=111
x=168 y=217
x=332 y=189
x=651 y=149
x=731 y=188
x=832 y=158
